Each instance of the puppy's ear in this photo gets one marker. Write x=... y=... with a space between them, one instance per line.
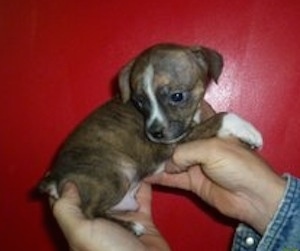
x=124 y=81
x=211 y=58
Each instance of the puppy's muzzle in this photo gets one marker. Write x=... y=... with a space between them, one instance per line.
x=166 y=133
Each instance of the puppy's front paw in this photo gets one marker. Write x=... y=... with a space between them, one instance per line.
x=233 y=125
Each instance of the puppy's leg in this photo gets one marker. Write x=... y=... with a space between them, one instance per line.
x=98 y=200
x=227 y=125
x=234 y=125
x=128 y=203
x=206 y=129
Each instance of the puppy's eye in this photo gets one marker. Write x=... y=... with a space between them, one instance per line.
x=177 y=97
x=139 y=102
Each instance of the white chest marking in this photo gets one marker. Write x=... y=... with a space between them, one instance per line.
x=128 y=203
x=197 y=117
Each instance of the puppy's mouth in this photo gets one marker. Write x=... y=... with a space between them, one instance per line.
x=170 y=134
x=165 y=140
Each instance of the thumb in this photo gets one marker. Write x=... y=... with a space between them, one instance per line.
x=67 y=209
x=70 y=194
x=204 y=152
x=193 y=153
x=144 y=198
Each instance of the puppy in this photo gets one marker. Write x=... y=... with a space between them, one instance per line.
x=131 y=136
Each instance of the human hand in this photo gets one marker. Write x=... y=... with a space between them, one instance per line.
x=103 y=235
x=233 y=179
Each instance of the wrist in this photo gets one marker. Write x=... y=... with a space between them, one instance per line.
x=262 y=205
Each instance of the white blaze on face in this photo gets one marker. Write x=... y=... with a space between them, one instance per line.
x=156 y=113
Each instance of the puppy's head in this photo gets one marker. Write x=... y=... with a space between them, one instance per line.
x=167 y=84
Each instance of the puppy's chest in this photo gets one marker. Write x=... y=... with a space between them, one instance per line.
x=150 y=162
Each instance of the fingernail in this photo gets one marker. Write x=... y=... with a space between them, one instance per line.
x=68 y=186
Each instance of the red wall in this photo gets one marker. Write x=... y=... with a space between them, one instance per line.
x=58 y=60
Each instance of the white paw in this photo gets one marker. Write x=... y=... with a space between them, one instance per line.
x=233 y=125
x=138 y=228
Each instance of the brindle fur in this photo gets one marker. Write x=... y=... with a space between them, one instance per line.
x=113 y=139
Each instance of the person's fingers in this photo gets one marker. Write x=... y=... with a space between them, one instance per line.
x=66 y=209
x=171 y=167
x=144 y=198
x=70 y=193
x=193 y=153
x=204 y=151
x=170 y=180
x=183 y=180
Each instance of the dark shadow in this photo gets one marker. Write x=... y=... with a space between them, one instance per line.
x=53 y=229
x=49 y=223
x=114 y=86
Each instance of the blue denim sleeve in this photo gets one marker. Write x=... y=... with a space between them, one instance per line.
x=282 y=233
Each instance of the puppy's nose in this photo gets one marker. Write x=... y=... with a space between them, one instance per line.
x=157 y=134
x=156 y=131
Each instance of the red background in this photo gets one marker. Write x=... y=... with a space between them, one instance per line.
x=58 y=60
